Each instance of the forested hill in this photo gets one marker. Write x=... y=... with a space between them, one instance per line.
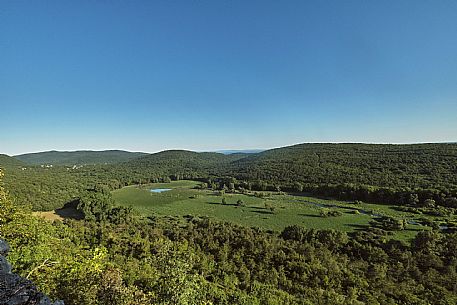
x=381 y=165
x=369 y=172
x=182 y=162
x=415 y=165
x=7 y=162
x=78 y=157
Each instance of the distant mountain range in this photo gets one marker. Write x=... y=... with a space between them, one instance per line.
x=383 y=165
x=78 y=157
x=92 y=157
x=239 y=151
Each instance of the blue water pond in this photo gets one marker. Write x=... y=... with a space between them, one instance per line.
x=160 y=190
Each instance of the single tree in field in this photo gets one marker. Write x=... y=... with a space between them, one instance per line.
x=224 y=201
x=240 y=203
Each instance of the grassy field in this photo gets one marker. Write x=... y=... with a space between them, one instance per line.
x=49 y=215
x=60 y=214
x=183 y=200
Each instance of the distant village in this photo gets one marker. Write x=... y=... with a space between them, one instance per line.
x=46 y=166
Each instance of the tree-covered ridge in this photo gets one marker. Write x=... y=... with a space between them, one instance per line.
x=78 y=157
x=188 y=159
x=180 y=163
x=9 y=162
x=379 y=173
x=396 y=174
x=381 y=165
x=44 y=188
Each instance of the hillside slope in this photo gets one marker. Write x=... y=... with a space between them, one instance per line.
x=8 y=162
x=416 y=165
x=382 y=165
x=354 y=171
x=78 y=157
x=182 y=162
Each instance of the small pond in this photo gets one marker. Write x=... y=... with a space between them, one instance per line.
x=160 y=190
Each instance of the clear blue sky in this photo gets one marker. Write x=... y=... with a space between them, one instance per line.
x=204 y=75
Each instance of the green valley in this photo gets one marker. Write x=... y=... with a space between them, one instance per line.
x=272 y=227
x=271 y=212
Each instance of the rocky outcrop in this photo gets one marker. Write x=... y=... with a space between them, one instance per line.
x=16 y=290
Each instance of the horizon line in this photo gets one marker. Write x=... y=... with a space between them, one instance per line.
x=224 y=149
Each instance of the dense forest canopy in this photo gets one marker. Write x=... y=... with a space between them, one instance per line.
x=382 y=165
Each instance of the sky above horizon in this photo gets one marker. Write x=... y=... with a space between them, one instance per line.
x=210 y=75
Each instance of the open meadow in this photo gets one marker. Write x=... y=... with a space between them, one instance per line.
x=275 y=211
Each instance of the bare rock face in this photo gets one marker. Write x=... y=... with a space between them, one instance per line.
x=5 y=266
x=16 y=290
x=4 y=248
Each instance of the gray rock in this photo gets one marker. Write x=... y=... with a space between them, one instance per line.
x=4 y=247
x=5 y=266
